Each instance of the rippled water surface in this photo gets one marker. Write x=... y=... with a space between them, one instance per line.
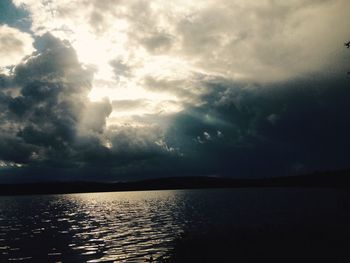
x=132 y=226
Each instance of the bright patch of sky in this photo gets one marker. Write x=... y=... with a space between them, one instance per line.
x=127 y=42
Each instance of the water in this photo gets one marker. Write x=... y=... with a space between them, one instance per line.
x=132 y=226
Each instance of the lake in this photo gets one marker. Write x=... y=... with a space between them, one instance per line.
x=133 y=226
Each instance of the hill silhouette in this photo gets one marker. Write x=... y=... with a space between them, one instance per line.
x=334 y=179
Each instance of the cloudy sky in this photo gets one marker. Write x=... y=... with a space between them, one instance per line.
x=123 y=89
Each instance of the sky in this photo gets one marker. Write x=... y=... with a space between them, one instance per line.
x=117 y=90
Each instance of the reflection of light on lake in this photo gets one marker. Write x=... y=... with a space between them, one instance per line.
x=126 y=226
x=133 y=226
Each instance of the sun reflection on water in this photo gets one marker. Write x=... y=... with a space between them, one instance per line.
x=98 y=227
x=135 y=226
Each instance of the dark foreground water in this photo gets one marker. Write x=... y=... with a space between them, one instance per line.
x=133 y=226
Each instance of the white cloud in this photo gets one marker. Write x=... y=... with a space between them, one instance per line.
x=206 y=135
x=219 y=134
x=258 y=41
x=8 y=164
x=14 y=45
x=156 y=50
x=265 y=40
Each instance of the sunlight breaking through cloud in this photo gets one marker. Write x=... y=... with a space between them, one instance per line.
x=125 y=84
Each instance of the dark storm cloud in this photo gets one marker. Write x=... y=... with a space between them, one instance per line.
x=134 y=142
x=13 y=149
x=55 y=62
x=5 y=81
x=239 y=129
x=266 y=130
x=14 y=16
x=46 y=122
x=50 y=126
x=229 y=125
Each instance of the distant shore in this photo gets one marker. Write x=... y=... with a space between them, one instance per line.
x=333 y=179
